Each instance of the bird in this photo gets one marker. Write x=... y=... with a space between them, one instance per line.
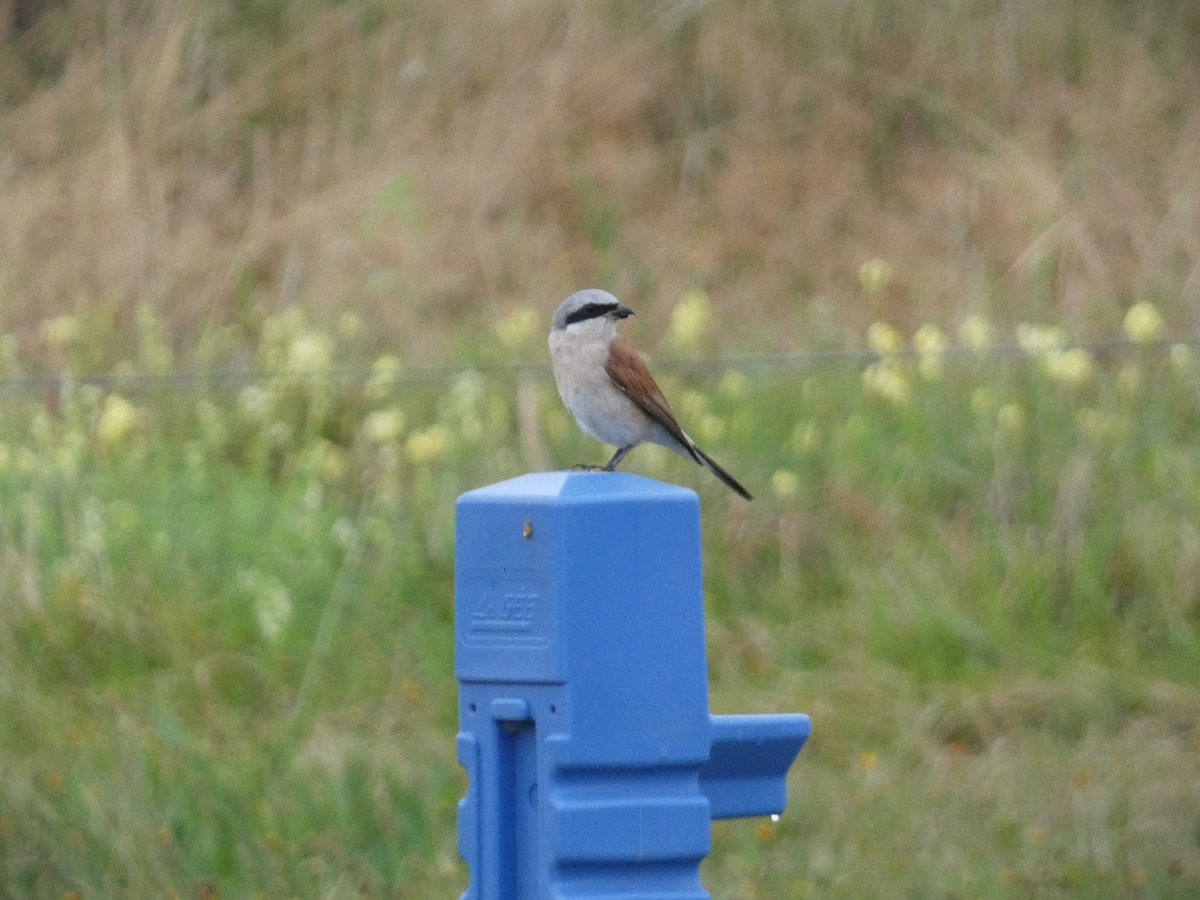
x=605 y=384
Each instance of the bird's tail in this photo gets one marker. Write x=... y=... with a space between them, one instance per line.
x=713 y=466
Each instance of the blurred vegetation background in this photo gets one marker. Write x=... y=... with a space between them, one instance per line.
x=275 y=279
x=429 y=165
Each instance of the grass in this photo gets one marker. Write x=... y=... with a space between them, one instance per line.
x=226 y=644
x=225 y=641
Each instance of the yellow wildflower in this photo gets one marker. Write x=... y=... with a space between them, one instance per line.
x=119 y=419
x=310 y=351
x=884 y=339
x=384 y=425
x=1143 y=322
x=464 y=411
x=1072 y=367
x=691 y=320
x=331 y=461
x=62 y=331
x=976 y=333
x=930 y=343
x=785 y=484
x=255 y=401
x=1039 y=340
x=887 y=382
x=874 y=275
x=517 y=329
x=384 y=373
x=271 y=601
x=428 y=445
x=1011 y=418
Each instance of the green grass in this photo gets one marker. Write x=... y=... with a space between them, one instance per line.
x=226 y=657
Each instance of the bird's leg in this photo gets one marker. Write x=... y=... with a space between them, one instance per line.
x=611 y=465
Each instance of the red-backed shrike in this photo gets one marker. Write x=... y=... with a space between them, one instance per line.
x=606 y=386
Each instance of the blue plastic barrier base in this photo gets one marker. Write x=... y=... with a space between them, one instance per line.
x=595 y=767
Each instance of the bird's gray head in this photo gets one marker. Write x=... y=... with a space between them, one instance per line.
x=588 y=305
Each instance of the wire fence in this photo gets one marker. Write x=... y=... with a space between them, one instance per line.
x=15 y=385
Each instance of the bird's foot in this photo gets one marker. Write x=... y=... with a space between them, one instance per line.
x=588 y=467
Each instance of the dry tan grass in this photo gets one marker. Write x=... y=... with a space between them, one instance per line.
x=426 y=165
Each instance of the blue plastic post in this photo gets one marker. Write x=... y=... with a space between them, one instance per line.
x=594 y=765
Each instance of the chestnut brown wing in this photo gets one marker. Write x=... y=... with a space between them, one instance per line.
x=628 y=372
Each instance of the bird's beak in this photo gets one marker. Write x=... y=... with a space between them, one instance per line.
x=622 y=311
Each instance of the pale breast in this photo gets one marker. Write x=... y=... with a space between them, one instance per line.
x=601 y=409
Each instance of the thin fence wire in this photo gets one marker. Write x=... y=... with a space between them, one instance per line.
x=13 y=385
